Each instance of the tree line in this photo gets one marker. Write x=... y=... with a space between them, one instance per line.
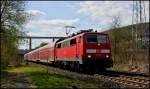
x=124 y=42
x=12 y=19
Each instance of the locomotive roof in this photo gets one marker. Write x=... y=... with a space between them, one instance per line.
x=57 y=41
x=72 y=37
x=68 y=38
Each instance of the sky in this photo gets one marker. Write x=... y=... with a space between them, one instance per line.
x=49 y=18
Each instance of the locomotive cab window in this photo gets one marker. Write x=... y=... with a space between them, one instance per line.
x=96 y=38
x=91 y=38
x=102 y=38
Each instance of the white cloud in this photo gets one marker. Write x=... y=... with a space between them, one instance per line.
x=36 y=12
x=46 y=27
x=30 y=33
x=49 y=22
x=52 y=26
x=103 y=11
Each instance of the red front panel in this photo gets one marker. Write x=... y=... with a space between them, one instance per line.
x=95 y=49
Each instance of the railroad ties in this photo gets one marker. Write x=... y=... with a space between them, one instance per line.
x=133 y=81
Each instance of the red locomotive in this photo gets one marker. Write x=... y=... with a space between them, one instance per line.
x=84 y=50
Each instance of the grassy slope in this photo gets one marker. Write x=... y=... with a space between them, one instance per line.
x=42 y=79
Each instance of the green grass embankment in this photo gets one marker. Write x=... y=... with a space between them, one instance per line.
x=42 y=79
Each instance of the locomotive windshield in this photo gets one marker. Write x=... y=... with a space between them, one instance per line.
x=96 y=38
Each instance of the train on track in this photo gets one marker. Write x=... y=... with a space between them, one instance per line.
x=84 y=50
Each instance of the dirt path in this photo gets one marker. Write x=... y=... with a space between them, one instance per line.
x=16 y=81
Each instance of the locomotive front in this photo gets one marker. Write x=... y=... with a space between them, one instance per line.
x=97 y=51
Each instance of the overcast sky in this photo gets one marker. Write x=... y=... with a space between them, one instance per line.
x=50 y=17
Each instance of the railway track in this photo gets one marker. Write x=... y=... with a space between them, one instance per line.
x=127 y=73
x=135 y=81
x=125 y=79
x=140 y=80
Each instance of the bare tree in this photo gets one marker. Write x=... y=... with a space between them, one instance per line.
x=114 y=25
x=116 y=21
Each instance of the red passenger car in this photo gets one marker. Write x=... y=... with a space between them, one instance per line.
x=84 y=50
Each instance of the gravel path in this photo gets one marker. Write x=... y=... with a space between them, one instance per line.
x=16 y=81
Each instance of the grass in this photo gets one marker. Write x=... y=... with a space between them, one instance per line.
x=42 y=79
x=3 y=75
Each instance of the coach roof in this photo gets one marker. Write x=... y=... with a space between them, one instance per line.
x=49 y=45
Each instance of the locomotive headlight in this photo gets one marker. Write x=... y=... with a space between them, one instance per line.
x=107 y=56
x=91 y=51
x=105 y=51
x=89 y=56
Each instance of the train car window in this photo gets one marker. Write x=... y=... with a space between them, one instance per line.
x=58 y=45
x=62 y=45
x=72 y=41
x=67 y=43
